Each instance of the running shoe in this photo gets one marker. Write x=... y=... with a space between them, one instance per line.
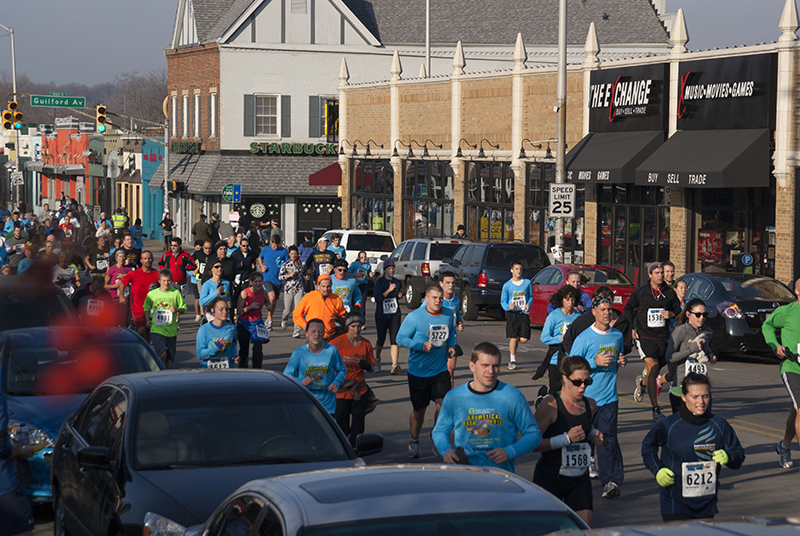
x=657 y=415
x=268 y=324
x=396 y=369
x=593 y=473
x=297 y=334
x=658 y=385
x=611 y=490
x=413 y=449
x=512 y=365
x=785 y=454
x=283 y=324
x=197 y=318
x=638 y=393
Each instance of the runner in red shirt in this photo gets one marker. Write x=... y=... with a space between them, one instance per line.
x=140 y=281
x=177 y=261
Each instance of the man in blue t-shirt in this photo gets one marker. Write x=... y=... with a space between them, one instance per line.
x=515 y=299
x=270 y=261
x=448 y=283
x=601 y=345
x=429 y=334
x=492 y=420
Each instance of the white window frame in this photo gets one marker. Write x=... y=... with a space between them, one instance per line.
x=213 y=117
x=323 y=99
x=256 y=132
x=185 y=129
x=173 y=118
x=197 y=115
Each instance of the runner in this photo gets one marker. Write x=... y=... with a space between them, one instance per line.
x=318 y=366
x=97 y=258
x=555 y=326
x=292 y=275
x=649 y=309
x=447 y=282
x=694 y=445
x=321 y=304
x=251 y=327
x=162 y=309
x=140 y=281
x=387 y=292
x=137 y=232
x=321 y=260
x=246 y=261
x=95 y=305
x=216 y=340
x=352 y=399
x=429 y=334
x=65 y=276
x=345 y=286
x=177 y=262
x=192 y=275
x=336 y=248
x=787 y=319
x=167 y=225
x=214 y=288
x=113 y=277
x=516 y=299
x=200 y=257
x=601 y=346
x=565 y=419
x=669 y=274
x=492 y=421
x=28 y=262
x=270 y=261
x=362 y=271
x=132 y=255
x=575 y=280
x=584 y=321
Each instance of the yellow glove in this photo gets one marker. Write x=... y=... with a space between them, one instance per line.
x=665 y=477
x=721 y=457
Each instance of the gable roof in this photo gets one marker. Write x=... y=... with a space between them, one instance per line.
x=213 y=17
x=499 y=21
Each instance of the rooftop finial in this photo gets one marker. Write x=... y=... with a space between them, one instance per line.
x=520 y=54
x=788 y=23
x=344 y=74
x=679 y=36
x=422 y=72
x=458 y=60
x=396 y=69
x=591 y=48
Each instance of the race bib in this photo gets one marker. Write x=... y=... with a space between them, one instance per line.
x=361 y=275
x=201 y=267
x=575 y=459
x=94 y=307
x=655 y=319
x=262 y=332
x=699 y=479
x=697 y=368
x=18 y=248
x=68 y=291
x=564 y=327
x=324 y=269
x=163 y=317
x=438 y=335
x=67 y=232
x=390 y=306
x=238 y=279
x=347 y=308
x=102 y=264
x=218 y=364
x=519 y=301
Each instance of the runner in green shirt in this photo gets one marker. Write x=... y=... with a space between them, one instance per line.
x=787 y=319
x=162 y=308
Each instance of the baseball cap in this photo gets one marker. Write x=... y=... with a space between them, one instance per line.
x=387 y=263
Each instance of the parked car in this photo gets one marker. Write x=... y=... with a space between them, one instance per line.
x=391 y=500
x=377 y=244
x=28 y=303
x=176 y=443
x=416 y=263
x=550 y=279
x=738 y=304
x=47 y=372
x=481 y=269
x=752 y=527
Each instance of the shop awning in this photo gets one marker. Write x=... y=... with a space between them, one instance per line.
x=709 y=159
x=70 y=169
x=328 y=176
x=33 y=166
x=130 y=177
x=611 y=157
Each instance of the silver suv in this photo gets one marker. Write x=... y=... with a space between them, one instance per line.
x=416 y=262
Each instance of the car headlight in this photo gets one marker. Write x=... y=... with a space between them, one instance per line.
x=729 y=310
x=156 y=525
x=29 y=436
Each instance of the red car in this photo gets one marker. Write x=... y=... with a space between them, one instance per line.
x=550 y=279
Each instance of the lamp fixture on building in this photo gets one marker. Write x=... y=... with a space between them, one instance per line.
x=410 y=153
x=481 y=154
x=522 y=147
x=458 y=153
x=425 y=152
x=367 y=153
x=341 y=146
x=537 y=144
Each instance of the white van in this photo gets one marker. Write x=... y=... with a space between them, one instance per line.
x=377 y=244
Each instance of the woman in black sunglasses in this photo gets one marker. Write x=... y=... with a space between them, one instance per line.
x=565 y=420
x=689 y=349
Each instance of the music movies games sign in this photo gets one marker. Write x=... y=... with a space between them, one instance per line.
x=628 y=99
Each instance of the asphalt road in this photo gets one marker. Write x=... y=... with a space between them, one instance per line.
x=748 y=393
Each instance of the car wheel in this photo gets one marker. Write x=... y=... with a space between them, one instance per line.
x=59 y=517
x=469 y=311
x=413 y=298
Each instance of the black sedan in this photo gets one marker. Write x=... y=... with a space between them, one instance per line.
x=176 y=443
x=738 y=304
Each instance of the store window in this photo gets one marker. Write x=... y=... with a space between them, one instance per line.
x=316 y=215
x=633 y=228
x=490 y=201
x=372 y=195
x=428 y=188
x=540 y=228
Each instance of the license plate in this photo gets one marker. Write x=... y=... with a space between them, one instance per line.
x=618 y=299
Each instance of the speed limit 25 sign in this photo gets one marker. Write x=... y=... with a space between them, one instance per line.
x=562 y=200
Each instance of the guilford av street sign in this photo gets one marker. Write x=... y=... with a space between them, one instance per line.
x=58 y=101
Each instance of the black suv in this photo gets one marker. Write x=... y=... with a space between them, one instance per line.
x=481 y=269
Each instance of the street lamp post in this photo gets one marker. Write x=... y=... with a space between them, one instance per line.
x=561 y=108
x=14 y=190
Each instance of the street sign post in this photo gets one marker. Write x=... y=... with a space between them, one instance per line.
x=562 y=200
x=52 y=101
x=16 y=178
x=237 y=193
x=232 y=193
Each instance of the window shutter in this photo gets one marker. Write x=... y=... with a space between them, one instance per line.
x=210 y=115
x=249 y=121
x=313 y=116
x=286 y=116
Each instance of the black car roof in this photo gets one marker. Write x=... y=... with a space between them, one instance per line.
x=735 y=276
x=41 y=335
x=199 y=382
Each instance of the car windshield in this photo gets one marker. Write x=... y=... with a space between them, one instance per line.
x=531 y=257
x=439 y=251
x=234 y=429
x=48 y=370
x=602 y=276
x=30 y=311
x=370 y=242
x=505 y=523
x=760 y=287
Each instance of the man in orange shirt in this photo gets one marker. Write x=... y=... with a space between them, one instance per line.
x=351 y=399
x=320 y=303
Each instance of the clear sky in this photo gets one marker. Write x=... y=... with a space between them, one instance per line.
x=91 y=41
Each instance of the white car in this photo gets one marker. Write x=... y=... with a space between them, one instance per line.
x=377 y=244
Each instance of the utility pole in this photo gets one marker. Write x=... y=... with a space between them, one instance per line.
x=14 y=190
x=561 y=108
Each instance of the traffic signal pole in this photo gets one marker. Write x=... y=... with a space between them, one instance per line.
x=14 y=190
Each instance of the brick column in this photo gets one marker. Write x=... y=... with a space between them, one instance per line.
x=590 y=224
x=344 y=162
x=459 y=190
x=785 y=194
x=679 y=239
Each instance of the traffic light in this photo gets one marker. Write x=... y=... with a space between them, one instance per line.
x=100 y=121
x=16 y=115
x=8 y=119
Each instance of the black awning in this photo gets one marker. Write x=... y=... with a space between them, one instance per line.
x=709 y=159
x=611 y=157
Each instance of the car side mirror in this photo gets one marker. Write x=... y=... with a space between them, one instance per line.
x=367 y=444
x=384 y=257
x=446 y=260
x=94 y=458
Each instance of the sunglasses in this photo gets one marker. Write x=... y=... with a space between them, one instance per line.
x=698 y=315
x=216 y=266
x=577 y=383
